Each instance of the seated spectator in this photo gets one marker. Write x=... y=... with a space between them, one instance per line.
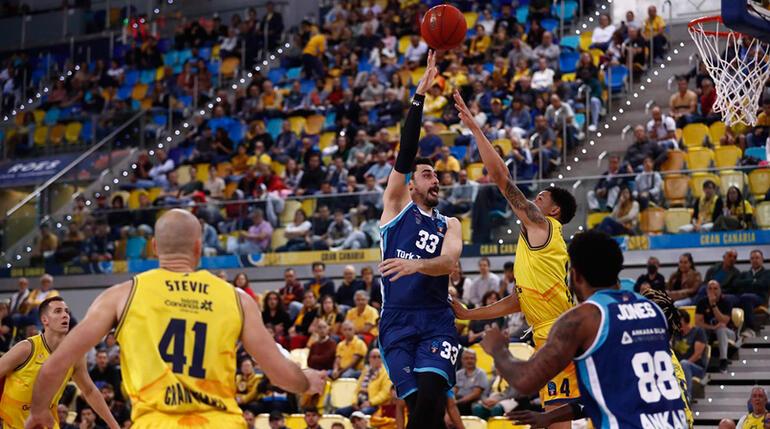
x=349 y=361
x=605 y=193
x=37 y=296
x=6 y=327
x=430 y=145
x=255 y=240
x=446 y=162
x=471 y=383
x=662 y=129
x=497 y=401
x=485 y=282
x=214 y=185
x=330 y=312
x=706 y=100
x=706 y=209
x=313 y=175
x=689 y=344
x=459 y=198
x=210 y=239
x=641 y=148
x=373 y=387
x=372 y=286
x=724 y=272
x=296 y=233
x=299 y=333
x=479 y=45
x=518 y=119
x=311 y=418
x=683 y=283
x=46 y=243
x=118 y=409
x=655 y=29
x=652 y=278
x=548 y=50
x=634 y=45
x=758 y=415
x=752 y=288
x=683 y=103
x=348 y=288
x=381 y=168
x=104 y=372
x=649 y=185
x=600 y=39
x=274 y=316
x=476 y=328
x=339 y=229
x=713 y=314
x=246 y=386
x=323 y=351
x=87 y=419
x=272 y=398
x=364 y=317
x=371 y=195
x=543 y=78
x=758 y=134
x=561 y=118
x=737 y=213
x=320 y=285
x=624 y=217
x=543 y=145
x=291 y=293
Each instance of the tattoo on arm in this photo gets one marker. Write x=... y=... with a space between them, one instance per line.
x=519 y=202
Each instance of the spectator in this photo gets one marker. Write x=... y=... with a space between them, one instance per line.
x=348 y=288
x=652 y=278
x=458 y=280
x=459 y=197
x=323 y=350
x=214 y=185
x=320 y=221
x=600 y=39
x=319 y=284
x=246 y=386
x=485 y=282
x=561 y=117
x=256 y=239
x=275 y=316
x=471 y=383
x=684 y=282
x=416 y=51
x=548 y=50
x=446 y=162
x=649 y=185
x=313 y=175
x=311 y=418
x=18 y=302
x=690 y=347
x=296 y=233
x=105 y=372
x=37 y=296
x=713 y=314
x=476 y=328
x=299 y=333
x=497 y=401
x=683 y=103
x=753 y=288
x=655 y=29
x=634 y=45
x=349 y=361
x=640 y=149
x=708 y=97
x=706 y=209
x=726 y=424
x=737 y=213
x=210 y=239
x=607 y=190
x=364 y=317
x=330 y=313
x=371 y=195
x=46 y=243
x=88 y=419
x=543 y=141
x=542 y=79
x=372 y=286
x=724 y=272
x=758 y=416
x=662 y=129
x=339 y=230
x=6 y=327
x=373 y=388
x=380 y=169
x=291 y=293
x=624 y=217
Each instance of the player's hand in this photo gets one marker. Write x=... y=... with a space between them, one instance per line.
x=458 y=307
x=494 y=340
x=463 y=111
x=397 y=268
x=527 y=417
x=431 y=71
x=316 y=381
x=42 y=420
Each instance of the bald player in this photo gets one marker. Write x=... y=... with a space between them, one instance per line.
x=178 y=330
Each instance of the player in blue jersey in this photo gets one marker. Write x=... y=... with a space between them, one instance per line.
x=420 y=247
x=617 y=339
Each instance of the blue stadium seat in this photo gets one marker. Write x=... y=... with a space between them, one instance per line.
x=756 y=152
x=186 y=100
x=568 y=61
x=52 y=116
x=132 y=77
x=294 y=73
x=364 y=66
x=184 y=56
x=570 y=42
x=307 y=86
x=627 y=284
x=160 y=119
x=616 y=78
x=274 y=127
x=171 y=58
x=549 y=24
x=458 y=151
x=330 y=121
x=85 y=132
x=489 y=67
x=236 y=131
x=147 y=77
x=570 y=7
x=276 y=75
x=522 y=13
x=165 y=45
x=205 y=53
x=580 y=119
x=124 y=92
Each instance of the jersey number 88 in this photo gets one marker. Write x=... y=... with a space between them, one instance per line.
x=656 y=376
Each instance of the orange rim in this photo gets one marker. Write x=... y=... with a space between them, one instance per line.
x=692 y=26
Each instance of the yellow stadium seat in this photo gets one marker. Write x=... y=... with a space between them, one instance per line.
x=585 y=40
x=568 y=77
x=290 y=207
x=505 y=144
x=596 y=55
x=202 y=171
x=521 y=351
x=154 y=193
x=697 y=180
x=41 y=135
x=484 y=361
x=730 y=178
x=314 y=124
x=57 y=134
x=224 y=169
x=278 y=168
x=160 y=73
x=299 y=356
x=327 y=420
x=717 y=130
x=295 y=421
x=278 y=238
x=215 y=51
x=503 y=423
x=652 y=220
x=674 y=161
x=344 y=392
x=699 y=158
x=230 y=189
x=694 y=134
x=594 y=219
x=326 y=139
x=262 y=421
x=465 y=222
x=183 y=174
x=416 y=75
x=133 y=198
x=676 y=218
x=675 y=188
x=727 y=156
x=759 y=182
x=229 y=66
x=472 y=422
x=447 y=137
x=39 y=116
x=470 y=18
x=72 y=132
x=297 y=124
x=690 y=309
x=762 y=214
x=475 y=171
x=309 y=205
x=403 y=43
x=139 y=91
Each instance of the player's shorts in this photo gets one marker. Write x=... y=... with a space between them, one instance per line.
x=561 y=389
x=206 y=420
x=414 y=341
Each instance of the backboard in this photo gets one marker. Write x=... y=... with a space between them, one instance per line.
x=751 y=17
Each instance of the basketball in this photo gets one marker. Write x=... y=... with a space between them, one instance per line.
x=443 y=27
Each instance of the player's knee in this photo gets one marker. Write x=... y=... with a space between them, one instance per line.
x=432 y=388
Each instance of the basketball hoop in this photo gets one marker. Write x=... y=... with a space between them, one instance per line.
x=738 y=65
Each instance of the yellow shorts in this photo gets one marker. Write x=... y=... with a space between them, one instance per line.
x=202 y=420
x=563 y=387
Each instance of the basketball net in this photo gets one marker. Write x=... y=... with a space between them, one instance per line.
x=738 y=65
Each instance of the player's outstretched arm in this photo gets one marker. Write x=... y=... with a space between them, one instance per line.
x=504 y=307
x=529 y=214
x=565 y=413
x=101 y=317
x=261 y=346
x=575 y=330
x=439 y=266
x=396 y=197
x=92 y=395
x=15 y=357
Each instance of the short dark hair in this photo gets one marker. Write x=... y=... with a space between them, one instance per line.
x=311 y=410
x=597 y=257
x=43 y=309
x=566 y=203
x=421 y=161
x=684 y=315
x=709 y=184
x=508 y=266
x=318 y=264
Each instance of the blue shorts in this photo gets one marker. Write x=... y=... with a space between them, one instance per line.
x=418 y=340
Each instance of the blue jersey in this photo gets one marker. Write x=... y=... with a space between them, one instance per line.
x=626 y=377
x=414 y=234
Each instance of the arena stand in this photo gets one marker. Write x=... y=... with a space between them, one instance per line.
x=285 y=138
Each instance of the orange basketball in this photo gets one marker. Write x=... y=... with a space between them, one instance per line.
x=443 y=27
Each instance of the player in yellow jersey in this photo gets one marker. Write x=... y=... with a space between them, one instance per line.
x=541 y=264
x=178 y=330
x=21 y=365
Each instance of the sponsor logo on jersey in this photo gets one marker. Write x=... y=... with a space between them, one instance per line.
x=407 y=369
x=179 y=394
x=664 y=420
x=434 y=347
x=402 y=254
x=190 y=305
x=636 y=311
x=551 y=388
x=626 y=339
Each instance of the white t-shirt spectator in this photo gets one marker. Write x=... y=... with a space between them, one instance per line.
x=542 y=79
x=661 y=129
x=161 y=169
x=603 y=35
x=479 y=287
x=415 y=53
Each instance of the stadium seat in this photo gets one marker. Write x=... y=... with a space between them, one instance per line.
x=521 y=351
x=289 y=208
x=278 y=168
x=502 y=423
x=274 y=127
x=131 y=77
x=202 y=173
x=505 y=144
x=585 y=39
x=343 y=392
x=40 y=137
x=475 y=171
x=759 y=153
x=299 y=356
x=717 y=130
x=616 y=78
x=51 y=116
x=627 y=284
x=594 y=219
x=229 y=67
x=697 y=180
x=471 y=18
x=314 y=124
x=403 y=43
x=230 y=189
x=676 y=218
x=183 y=174
x=762 y=214
x=326 y=140
x=699 y=158
x=295 y=421
x=458 y=151
x=309 y=205
x=483 y=361
x=568 y=61
x=57 y=134
x=653 y=220
x=674 y=161
x=297 y=124
x=727 y=156
x=759 y=182
x=568 y=77
x=549 y=24
x=327 y=420
x=522 y=13
x=694 y=135
x=465 y=222
x=472 y=422
x=570 y=7
x=139 y=91
x=570 y=42
x=675 y=188
x=39 y=115
x=730 y=178
x=690 y=309
x=596 y=55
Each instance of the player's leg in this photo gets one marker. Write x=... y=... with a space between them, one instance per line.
x=430 y=403
x=560 y=390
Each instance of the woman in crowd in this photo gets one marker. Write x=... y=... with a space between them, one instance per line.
x=683 y=284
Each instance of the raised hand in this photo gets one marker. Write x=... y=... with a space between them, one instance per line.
x=463 y=111
x=431 y=71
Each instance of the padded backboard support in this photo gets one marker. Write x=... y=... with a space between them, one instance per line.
x=738 y=16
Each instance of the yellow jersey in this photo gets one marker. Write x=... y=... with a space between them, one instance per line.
x=541 y=280
x=679 y=372
x=755 y=422
x=17 y=391
x=178 y=335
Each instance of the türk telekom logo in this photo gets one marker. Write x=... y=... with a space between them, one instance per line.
x=25 y=167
